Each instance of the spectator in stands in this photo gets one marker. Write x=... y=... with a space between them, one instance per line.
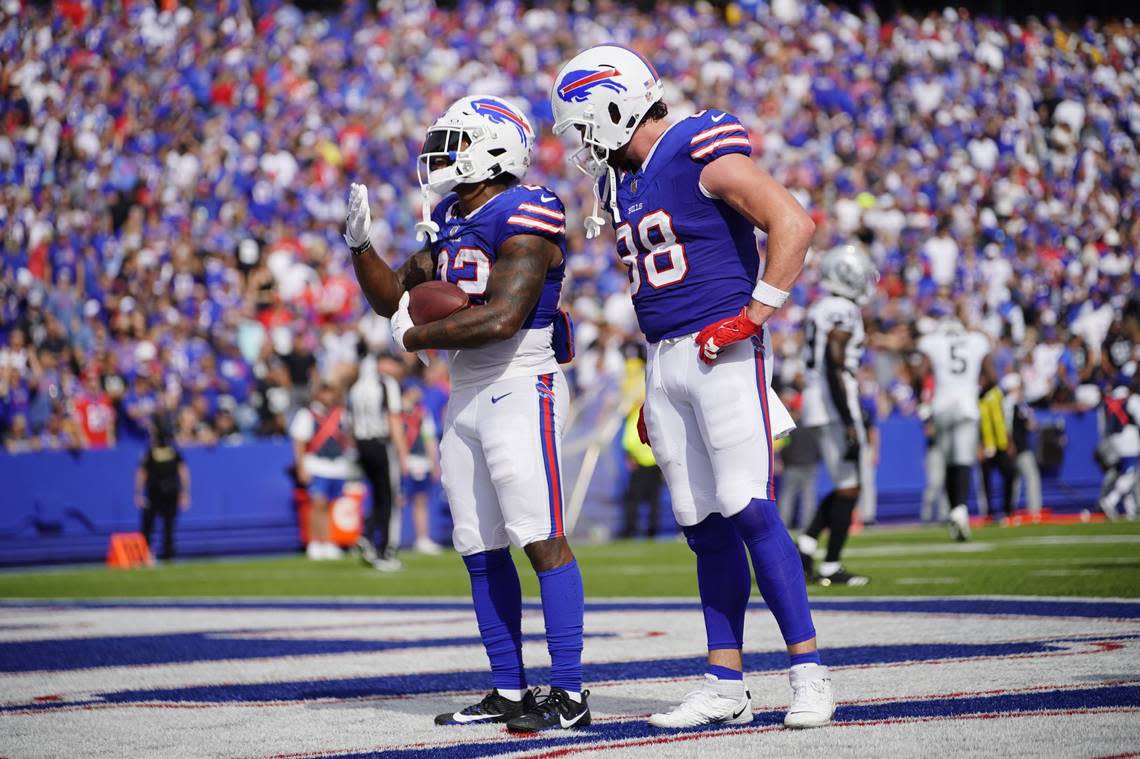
x=162 y=485
x=19 y=438
x=95 y=414
x=225 y=429
x=323 y=457
x=644 y=483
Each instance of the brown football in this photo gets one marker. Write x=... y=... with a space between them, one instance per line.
x=435 y=300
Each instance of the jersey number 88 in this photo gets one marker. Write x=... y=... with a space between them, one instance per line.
x=663 y=260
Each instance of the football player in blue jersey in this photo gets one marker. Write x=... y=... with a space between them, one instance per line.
x=504 y=244
x=685 y=199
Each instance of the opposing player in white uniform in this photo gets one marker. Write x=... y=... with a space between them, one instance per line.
x=685 y=200
x=504 y=244
x=959 y=359
x=833 y=345
x=1120 y=428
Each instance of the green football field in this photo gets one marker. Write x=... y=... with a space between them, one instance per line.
x=1083 y=560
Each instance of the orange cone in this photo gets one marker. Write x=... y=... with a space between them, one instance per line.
x=127 y=550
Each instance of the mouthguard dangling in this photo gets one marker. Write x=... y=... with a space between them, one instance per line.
x=427 y=230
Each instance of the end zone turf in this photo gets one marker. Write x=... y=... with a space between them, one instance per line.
x=259 y=678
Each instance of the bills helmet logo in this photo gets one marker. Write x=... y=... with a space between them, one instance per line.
x=500 y=113
x=576 y=86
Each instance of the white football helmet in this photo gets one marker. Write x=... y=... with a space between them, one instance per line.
x=847 y=271
x=604 y=91
x=476 y=139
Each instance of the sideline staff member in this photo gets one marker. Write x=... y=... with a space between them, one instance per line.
x=162 y=485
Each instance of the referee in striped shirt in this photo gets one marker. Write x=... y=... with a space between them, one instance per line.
x=374 y=401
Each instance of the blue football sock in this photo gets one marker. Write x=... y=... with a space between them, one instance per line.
x=779 y=571
x=562 y=609
x=811 y=657
x=497 y=595
x=724 y=673
x=722 y=579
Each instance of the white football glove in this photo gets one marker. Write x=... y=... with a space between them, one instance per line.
x=358 y=222
x=400 y=323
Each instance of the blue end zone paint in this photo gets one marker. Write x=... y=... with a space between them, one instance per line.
x=1059 y=700
x=420 y=683
x=180 y=648
x=1003 y=606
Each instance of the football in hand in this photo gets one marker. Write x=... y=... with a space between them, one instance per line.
x=435 y=300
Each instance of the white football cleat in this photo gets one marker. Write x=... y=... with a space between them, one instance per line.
x=706 y=707
x=813 y=700
x=427 y=546
x=960 y=524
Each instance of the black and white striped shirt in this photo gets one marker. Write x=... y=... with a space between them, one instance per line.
x=371 y=399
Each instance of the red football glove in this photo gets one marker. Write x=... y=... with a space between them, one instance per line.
x=642 y=430
x=717 y=336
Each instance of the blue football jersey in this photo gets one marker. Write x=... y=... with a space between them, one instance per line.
x=468 y=245
x=692 y=259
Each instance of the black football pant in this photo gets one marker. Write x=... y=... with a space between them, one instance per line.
x=168 y=510
x=834 y=513
x=1000 y=462
x=644 y=487
x=376 y=465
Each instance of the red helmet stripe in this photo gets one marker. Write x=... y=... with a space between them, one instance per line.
x=597 y=76
x=510 y=115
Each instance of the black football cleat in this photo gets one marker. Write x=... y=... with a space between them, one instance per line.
x=843 y=577
x=493 y=708
x=556 y=710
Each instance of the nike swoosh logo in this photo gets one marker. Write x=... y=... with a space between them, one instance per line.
x=501 y=397
x=546 y=198
x=739 y=712
x=571 y=722
x=460 y=717
x=715 y=119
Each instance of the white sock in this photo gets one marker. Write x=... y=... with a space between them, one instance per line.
x=807 y=544
x=511 y=694
x=828 y=568
x=575 y=696
x=726 y=688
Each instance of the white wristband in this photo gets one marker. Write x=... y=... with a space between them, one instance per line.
x=768 y=295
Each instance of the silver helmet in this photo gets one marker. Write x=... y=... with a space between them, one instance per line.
x=848 y=272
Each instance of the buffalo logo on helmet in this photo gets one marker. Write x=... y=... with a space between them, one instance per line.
x=577 y=85
x=500 y=113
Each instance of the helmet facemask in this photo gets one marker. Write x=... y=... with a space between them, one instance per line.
x=448 y=158
x=467 y=145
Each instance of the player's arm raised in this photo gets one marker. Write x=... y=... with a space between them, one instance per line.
x=513 y=289
x=382 y=287
x=736 y=180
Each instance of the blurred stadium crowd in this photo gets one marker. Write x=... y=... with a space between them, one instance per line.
x=173 y=188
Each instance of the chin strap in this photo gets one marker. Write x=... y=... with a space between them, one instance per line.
x=427 y=230
x=594 y=222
